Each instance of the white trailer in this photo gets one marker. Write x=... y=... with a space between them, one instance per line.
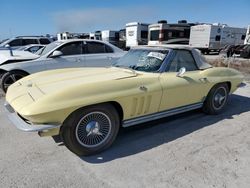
x=212 y=37
x=64 y=36
x=95 y=35
x=247 y=38
x=111 y=36
x=136 y=34
x=163 y=32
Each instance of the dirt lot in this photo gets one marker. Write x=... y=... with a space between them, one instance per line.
x=188 y=150
x=241 y=64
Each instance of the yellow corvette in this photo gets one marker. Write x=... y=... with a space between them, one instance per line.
x=86 y=106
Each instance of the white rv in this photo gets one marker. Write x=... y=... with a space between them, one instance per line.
x=163 y=32
x=92 y=36
x=64 y=36
x=95 y=35
x=111 y=36
x=212 y=37
x=247 y=39
x=136 y=34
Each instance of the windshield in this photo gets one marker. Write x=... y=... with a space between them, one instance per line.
x=48 y=48
x=147 y=60
x=3 y=41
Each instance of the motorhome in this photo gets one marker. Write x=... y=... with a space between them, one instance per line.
x=136 y=34
x=122 y=39
x=64 y=36
x=212 y=37
x=247 y=39
x=163 y=32
x=97 y=35
x=67 y=35
x=111 y=36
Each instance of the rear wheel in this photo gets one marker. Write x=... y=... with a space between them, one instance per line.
x=216 y=99
x=90 y=130
x=11 y=77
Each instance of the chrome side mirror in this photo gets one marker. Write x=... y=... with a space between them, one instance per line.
x=56 y=53
x=181 y=72
x=10 y=49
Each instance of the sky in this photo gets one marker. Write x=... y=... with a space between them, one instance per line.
x=40 y=17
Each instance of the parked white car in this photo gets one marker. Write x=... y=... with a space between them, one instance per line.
x=14 y=56
x=33 y=48
x=19 y=41
x=62 y=54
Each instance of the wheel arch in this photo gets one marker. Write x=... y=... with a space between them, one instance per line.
x=228 y=83
x=2 y=71
x=115 y=104
x=119 y=109
x=19 y=70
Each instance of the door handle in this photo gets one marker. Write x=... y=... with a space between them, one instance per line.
x=109 y=57
x=78 y=60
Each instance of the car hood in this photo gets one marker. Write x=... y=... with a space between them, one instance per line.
x=37 y=86
x=17 y=55
x=50 y=81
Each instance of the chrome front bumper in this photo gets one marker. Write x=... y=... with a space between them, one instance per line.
x=24 y=126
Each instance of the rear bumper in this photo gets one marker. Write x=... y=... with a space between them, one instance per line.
x=23 y=125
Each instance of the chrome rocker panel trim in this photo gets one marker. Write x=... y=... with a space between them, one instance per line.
x=159 y=115
x=22 y=125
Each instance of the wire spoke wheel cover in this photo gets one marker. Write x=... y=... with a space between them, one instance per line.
x=93 y=129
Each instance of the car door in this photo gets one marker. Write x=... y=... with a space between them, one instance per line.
x=98 y=54
x=189 y=88
x=72 y=56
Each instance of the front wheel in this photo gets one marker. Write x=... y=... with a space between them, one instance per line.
x=11 y=77
x=90 y=130
x=216 y=99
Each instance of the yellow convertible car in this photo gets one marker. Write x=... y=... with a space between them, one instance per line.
x=86 y=106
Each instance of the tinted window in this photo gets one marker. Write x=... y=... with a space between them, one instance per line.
x=116 y=35
x=108 y=49
x=173 y=34
x=16 y=42
x=144 y=34
x=29 y=41
x=44 y=41
x=73 y=48
x=154 y=35
x=243 y=37
x=95 y=48
x=33 y=49
x=182 y=58
x=217 y=38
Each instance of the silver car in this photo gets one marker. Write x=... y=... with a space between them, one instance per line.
x=62 y=54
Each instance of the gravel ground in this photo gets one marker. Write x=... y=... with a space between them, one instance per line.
x=187 y=150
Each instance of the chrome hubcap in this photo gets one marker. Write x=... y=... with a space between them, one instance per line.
x=93 y=129
x=220 y=98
